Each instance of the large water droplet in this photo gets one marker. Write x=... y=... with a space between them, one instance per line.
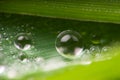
x=69 y=44
x=23 y=41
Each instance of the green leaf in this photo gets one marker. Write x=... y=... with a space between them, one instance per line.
x=90 y=10
x=43 y=20
x=44 y=32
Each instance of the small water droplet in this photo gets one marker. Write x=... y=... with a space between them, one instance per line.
x=105 y=49
x=1 y=48
x=25 y=60
x=95 y=50
x=2 y=29
x=11 y=36
x=69 y=44
x=7 y=39
x=14 y=56
x=22 y=56
x=86 y=58
x=105 y=52
x=32 y=27
x=4 y=33
x=23 y=41
x=39 y=59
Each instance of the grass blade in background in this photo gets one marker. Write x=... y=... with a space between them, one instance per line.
x=90 y=10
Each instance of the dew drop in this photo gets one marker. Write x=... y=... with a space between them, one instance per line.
x=22 y=41
x=25 y=60
x=4 y=33
x=105 y=49
x=2 y=29
x=94 y=50
x=105 y=52
x=86 y=58
x=22 y=56
x=1 y=48
x=39 y=59
x=69 y=44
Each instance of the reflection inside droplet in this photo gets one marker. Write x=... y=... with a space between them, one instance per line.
x=69 y=44
x=23 y=41
x=96 y=39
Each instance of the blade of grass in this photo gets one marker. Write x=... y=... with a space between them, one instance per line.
x=44 y=32
x=104 y=70
x=90 y=10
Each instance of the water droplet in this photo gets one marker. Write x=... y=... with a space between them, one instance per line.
x=86 y=58
x=105 y=49
x=94 y=50
x=23 y=41
x=1 y=48
x=14 y=56
x=105 y=52
x=39 y=59
x=69 y=44
x=25 y=60
x=4 y=33
x=7 y=39
x=2 y=29
x=22 y=56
